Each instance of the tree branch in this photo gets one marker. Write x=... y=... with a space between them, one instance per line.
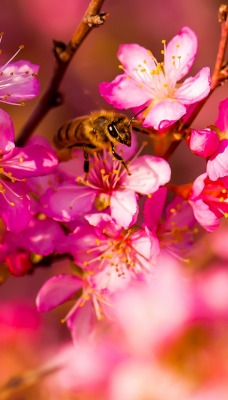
x=220 y=72
x=63 y=54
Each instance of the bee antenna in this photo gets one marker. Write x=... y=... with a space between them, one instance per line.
x=136 y=115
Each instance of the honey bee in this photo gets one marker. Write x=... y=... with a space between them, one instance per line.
x=95 y=132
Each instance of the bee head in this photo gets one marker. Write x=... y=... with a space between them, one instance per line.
x=120 y=131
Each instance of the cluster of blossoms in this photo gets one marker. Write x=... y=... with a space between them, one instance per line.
x=117 y=226
x=114 y=227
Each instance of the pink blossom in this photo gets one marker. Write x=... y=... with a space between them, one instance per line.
x=209 y=201
x=108 y=187
x=213 y=144
x=17 y=164
x=173 y=225
x=112 y=256
x=146 y=82
x=18 y=81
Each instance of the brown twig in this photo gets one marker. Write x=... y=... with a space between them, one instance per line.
x=220 y=72
x=63 y=54
x=19 y=383
x=223 y=19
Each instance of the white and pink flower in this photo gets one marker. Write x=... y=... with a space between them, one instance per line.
x=155 y=85
x=18 y=80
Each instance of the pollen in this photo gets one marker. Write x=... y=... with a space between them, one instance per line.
x=21 y=159
x=12 y=203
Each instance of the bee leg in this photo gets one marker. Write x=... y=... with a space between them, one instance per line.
x=86 y=162
x=119 y=158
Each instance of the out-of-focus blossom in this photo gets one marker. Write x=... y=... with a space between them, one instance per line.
x=160 y=307
x=213 y=144
x=87 y=310
x=148 y=83
x=18 y=81
x=108 y=187
x=37 y=240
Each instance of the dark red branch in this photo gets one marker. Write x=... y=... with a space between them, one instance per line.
x=63 y=54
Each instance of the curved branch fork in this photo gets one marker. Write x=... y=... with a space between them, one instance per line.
x=63 y=55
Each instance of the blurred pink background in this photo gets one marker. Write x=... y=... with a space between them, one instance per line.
x=36 y=23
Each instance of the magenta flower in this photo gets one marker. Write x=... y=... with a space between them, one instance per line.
x=108 y=187
x=174 y=225
x=18 y=81
x=147 y=82
x=112 y=256
x=209 y=201
x=17 y=164
x=213 y=144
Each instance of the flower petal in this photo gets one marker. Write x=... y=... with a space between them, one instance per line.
x=164 y=113
x=81 y=322
x=217 y=165
x=123 y=92
x=206 y=218
x=41 y=236
x=68 y=201
x=222 y=120
x=123 y=207
x=7 y=133
x=22 y=83
x=15 y=207
x=181 y=50
x=56 y=291
x=33 y=160
x=153 y=208
x=135 y=58
x=148 y=173
x=194 y=88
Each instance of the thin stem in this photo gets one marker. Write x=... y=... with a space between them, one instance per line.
x=20 y=383
x=219 y=74
x=223 y=19
x=63 y=54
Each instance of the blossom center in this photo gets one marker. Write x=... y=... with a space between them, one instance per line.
x=216 y=196
x=153 y=78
